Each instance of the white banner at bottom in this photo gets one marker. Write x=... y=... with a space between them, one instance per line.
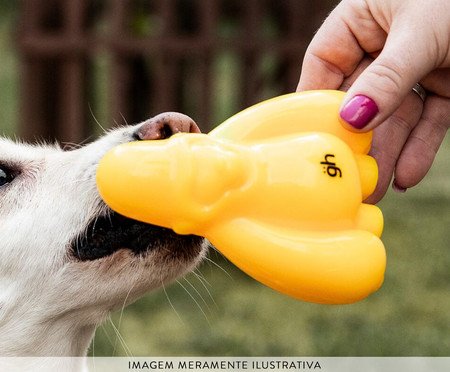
x=258 y=364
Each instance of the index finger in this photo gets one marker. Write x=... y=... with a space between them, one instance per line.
x=347 y=35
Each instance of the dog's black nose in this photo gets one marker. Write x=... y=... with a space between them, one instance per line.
x=165 y=125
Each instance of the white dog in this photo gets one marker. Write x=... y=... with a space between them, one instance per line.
x=66 y=260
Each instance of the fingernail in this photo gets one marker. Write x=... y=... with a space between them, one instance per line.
x=359 y=111
x=397 y=188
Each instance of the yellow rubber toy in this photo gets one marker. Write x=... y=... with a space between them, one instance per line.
x=277 y=188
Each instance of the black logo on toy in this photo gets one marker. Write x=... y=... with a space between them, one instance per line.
x=330 y=167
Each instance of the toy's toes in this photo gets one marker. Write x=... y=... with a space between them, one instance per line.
x=165 y=125
x=368 y=173
x=370 y=218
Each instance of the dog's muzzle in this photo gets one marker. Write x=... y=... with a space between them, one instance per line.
x=106 y=235
x=112 y=232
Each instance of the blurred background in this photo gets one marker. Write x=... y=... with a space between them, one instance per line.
x=68 y=69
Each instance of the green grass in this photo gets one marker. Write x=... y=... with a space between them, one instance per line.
x=9 y=72
x=409 y=316
x=234 y=315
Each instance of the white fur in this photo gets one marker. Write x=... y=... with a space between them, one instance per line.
x=50 y=303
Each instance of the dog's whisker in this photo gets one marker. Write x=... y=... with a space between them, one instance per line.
x=198 y=293
x=195 y=301
x=72 y=145
x=219 y=267
x=105 y=331
x=95 y=119
x=95 y=224
x=201 y=278
x=109 y=218
x=93 y=347
x=204 y=283
x=216 y=252
x=124 y=345
x=170 y=302
x=124 y=120
x=121 y=315
x=77 y=246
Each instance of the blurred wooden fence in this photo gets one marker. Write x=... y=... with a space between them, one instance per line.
x=134 y=58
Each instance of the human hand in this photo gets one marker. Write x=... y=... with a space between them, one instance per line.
x=370 y=48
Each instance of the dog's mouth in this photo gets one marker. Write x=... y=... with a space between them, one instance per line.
x=106 y=235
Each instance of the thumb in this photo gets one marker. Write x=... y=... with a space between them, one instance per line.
x=385 y=83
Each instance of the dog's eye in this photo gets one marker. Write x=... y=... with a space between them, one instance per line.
x=6 y=176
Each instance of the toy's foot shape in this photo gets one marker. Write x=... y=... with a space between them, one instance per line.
x=278 y=189
x=319 y=264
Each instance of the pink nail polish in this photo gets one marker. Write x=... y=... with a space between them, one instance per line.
x=359 y=111
x=397 y=188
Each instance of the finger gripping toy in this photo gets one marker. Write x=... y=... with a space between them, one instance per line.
x=278 y=189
